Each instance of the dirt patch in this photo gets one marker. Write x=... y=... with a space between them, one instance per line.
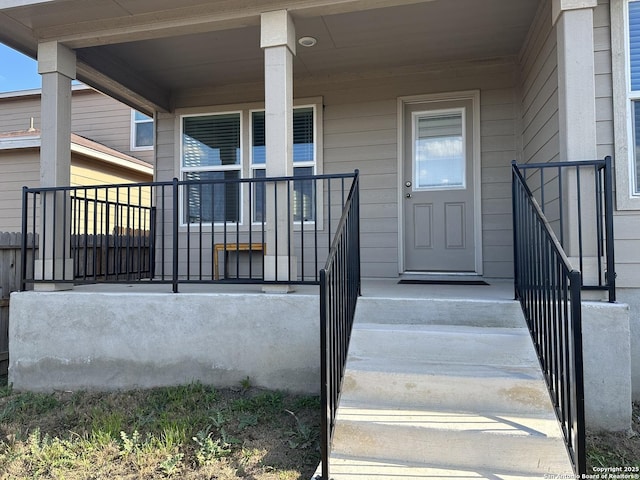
x=616 y=449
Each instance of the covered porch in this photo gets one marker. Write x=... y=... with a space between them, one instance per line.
x=327 y=87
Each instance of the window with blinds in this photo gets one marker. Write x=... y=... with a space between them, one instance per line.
x=634 y=83
x=304 y=163
x=211 y=154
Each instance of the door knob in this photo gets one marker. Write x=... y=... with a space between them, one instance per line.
x=407 y=183
x=407 y=195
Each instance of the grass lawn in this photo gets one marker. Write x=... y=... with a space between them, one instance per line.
x=185 y=432
x=188 y=432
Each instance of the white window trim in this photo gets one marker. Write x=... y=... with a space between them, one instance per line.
x=245 y=110
x=134 y=122
x=626 y=199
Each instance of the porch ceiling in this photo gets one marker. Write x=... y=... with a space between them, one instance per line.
x=153 y=48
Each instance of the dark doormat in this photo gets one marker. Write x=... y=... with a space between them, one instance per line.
x=416 y=281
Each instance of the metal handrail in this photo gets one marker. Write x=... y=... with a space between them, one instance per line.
x=549 y=291
x=339 y=291
x=552 y=180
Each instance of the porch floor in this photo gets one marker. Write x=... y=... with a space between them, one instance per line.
x=498 y=290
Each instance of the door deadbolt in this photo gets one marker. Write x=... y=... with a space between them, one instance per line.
x=407 y=183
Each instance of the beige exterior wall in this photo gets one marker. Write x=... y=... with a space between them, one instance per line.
x=19 y=168
x=360 y=131
x=22 y=168
x=86 y=171
x=94 y=116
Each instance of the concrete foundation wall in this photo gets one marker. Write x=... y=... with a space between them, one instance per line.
x=73 y=340
x=607 y=366
x=631 y=296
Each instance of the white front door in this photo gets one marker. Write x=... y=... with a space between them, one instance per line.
x=439 y=187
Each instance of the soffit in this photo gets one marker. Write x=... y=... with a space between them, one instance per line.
x=352 y=37
x=437 y=31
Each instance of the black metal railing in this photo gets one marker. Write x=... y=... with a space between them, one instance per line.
x=549 y=291
x=112 y=240
x=211 y=230
x=583 y=225
x=339 y=291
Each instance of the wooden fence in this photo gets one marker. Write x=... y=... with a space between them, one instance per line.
x=10 y=280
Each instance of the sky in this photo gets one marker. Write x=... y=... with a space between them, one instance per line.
x=17 y=71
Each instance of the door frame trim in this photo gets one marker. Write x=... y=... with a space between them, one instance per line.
x=434 y=98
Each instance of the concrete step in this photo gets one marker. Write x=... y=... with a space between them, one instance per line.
x=445 y=367
x=445 y=401
x=351 y=468
x=508 y=443
x=439 y=311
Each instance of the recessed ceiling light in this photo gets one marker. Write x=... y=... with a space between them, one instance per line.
x=307 y=41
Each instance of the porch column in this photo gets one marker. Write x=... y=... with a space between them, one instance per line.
x=57 y=65
x=577 y=121
x=277 y=38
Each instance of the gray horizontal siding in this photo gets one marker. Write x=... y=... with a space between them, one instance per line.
x=94 y=115
x=360 y=131
x=539 y=91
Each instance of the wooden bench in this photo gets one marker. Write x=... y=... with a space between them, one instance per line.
x=232 y=247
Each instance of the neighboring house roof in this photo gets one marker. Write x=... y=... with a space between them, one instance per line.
x=36 y=92
x=30 y=138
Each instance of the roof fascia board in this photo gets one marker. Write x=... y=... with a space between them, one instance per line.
x=19 y=143
x=34 y=141
x=110 y=159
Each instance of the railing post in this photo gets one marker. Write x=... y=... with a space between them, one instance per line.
x=608 y=216
x=176 y=219
x=23 y=240
x=514 y=209
x=576 y=329
x=152 y=238
x=356 y=180
x=324 y=383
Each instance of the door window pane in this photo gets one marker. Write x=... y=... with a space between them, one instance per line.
x=439 y=157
